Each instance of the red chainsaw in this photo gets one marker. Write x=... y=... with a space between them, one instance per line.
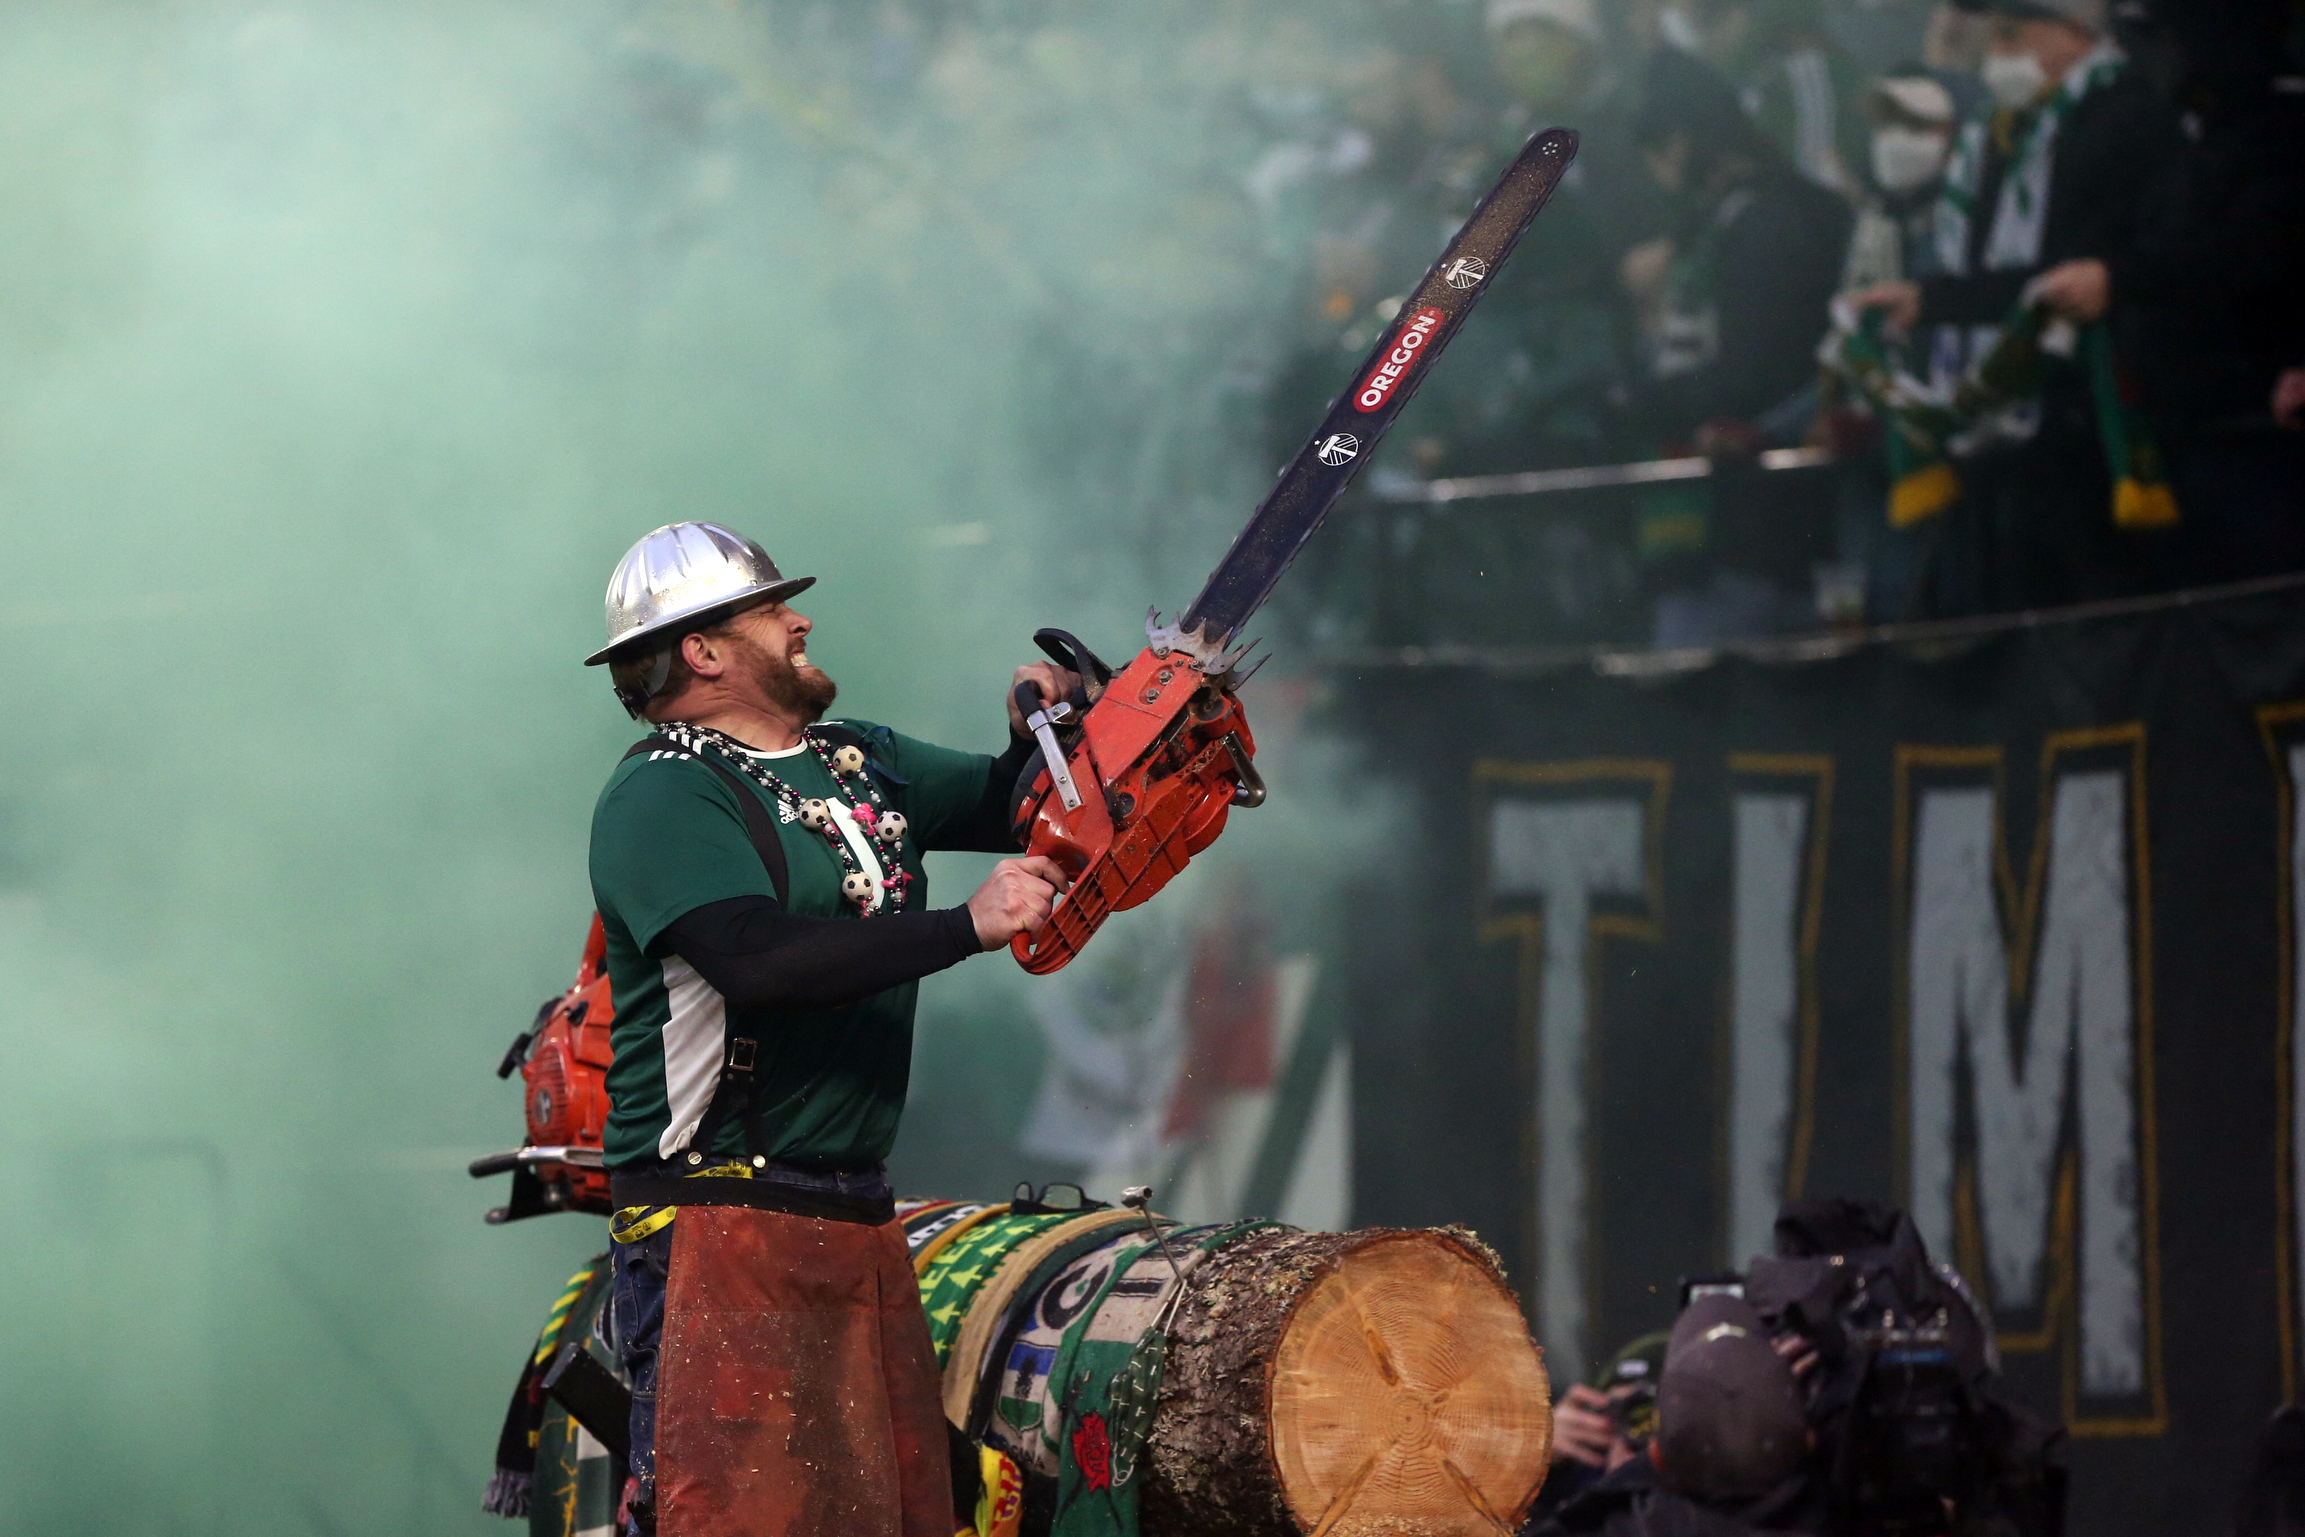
x=1138 y=770
x=562 y=1059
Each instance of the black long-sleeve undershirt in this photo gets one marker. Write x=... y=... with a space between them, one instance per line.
x=758 y=956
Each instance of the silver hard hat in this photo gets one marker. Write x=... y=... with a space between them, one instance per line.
x=684 y=573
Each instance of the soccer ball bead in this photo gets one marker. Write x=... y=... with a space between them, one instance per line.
x=890 y=827
x=857 y=887
x=816 y=816
x=849 y=760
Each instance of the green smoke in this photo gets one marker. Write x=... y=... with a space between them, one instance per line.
x=343 y=347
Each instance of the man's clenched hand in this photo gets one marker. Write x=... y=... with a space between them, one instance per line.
x=1015 y=899
x=1054 y=683
x=2081 y=291
x=1900 y=302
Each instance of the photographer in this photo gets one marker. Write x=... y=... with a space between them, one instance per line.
x=1730 y=1445
x=1600 y=1425
x=1843 y=1385
x=1915 y=1434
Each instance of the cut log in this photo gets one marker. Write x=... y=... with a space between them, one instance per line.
x=1371 y=1384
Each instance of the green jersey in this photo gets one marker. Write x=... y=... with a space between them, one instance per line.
x=668 y=837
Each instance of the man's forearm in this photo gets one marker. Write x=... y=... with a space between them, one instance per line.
x=758 y=956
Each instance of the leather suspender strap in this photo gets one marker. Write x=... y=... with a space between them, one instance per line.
x=759 y=824
x=735 y=1087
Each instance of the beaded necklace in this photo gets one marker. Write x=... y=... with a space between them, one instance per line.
x=882 y=822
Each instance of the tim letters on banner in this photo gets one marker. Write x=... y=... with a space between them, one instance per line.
x=2004 y=931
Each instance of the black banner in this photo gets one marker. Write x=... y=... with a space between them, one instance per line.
x=1999 y=927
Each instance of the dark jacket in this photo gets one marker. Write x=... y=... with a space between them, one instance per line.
x=1633 y=1502
x=2115 y=148
x=2211 y=299
x=1756 y=262
x=1765 y=260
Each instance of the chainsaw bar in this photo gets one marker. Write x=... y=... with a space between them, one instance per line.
x=1380 y=387
x=1139 y=773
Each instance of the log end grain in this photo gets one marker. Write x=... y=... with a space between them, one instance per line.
x=1371 y=1384
x=1407 y=1396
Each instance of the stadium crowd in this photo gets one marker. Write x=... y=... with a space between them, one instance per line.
x=2031 y=293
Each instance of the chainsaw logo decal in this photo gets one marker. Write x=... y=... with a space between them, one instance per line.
x=1465 y=271
x=1395 y=365
x=1339 y=448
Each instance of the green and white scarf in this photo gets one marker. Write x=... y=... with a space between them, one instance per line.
x=1984 y=384
x=1924 y=425
x=2014 y=240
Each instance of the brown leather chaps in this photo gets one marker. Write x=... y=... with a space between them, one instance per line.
x=797 y=1391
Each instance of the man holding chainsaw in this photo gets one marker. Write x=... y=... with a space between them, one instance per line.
x=759 y=879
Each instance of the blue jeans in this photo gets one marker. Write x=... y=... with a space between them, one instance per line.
x=637 y=1295
x=637 y=1286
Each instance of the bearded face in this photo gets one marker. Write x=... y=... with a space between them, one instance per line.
x=790 y=681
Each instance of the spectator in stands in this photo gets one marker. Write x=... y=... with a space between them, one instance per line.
x=1549 y=54
x=1555 y=64
x=1373 y=176
x=1954 y=41
x=1539 y=382
x=1731 y=302
x=1730 y=305
x=1805 y=93
x=1913 y=122
x=2041 y=203
x=2215 y=305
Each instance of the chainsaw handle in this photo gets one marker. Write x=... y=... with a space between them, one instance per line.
x=1066 y=650
x=1056 y=941
x=1250 y=792
x=1026 y=698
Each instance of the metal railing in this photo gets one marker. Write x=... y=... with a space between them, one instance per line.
x=1591 y=477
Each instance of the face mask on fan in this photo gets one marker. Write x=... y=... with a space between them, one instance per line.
x=1907 y=159
x=2015 y=79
